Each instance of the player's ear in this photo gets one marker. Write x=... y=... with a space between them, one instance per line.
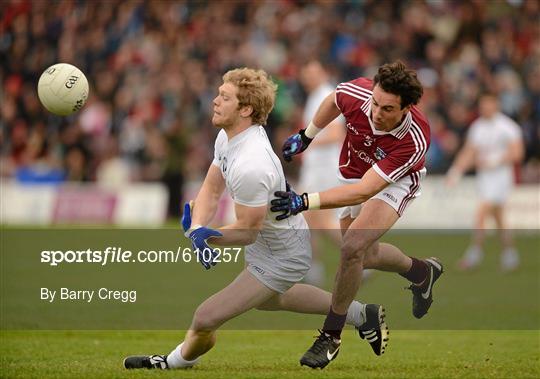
x=246 y=111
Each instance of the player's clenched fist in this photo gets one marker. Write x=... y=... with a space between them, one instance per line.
x=295 y=144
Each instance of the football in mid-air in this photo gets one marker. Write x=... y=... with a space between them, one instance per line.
x=63 y=89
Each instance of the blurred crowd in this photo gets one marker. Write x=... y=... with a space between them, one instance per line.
x=154 y=67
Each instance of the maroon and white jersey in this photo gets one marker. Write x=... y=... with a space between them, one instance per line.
x=393 y=154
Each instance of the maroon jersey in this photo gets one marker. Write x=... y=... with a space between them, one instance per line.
x=393 y=154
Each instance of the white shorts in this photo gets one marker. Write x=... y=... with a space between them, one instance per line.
x=281 y=265
x=398 y=195
x=495 y=187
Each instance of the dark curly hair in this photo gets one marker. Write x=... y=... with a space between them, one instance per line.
x=395 y=78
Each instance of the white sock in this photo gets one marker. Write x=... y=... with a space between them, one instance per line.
x=474 y=255
x=509 y=259
x=175 y=359
x=356 y=314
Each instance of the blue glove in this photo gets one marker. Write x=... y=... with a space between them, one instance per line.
x=205 y=253
x=186 y=216
x=295 y=144
x=290 y=203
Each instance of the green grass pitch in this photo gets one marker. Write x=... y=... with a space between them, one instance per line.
x=274 y=354
x=483 y=324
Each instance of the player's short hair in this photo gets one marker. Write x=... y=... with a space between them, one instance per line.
x=255 y=89
x=395 y=78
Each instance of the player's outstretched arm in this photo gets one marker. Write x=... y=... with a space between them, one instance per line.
x=353 y=194
x=335 y=133
x=291 y=203
x=299 y=142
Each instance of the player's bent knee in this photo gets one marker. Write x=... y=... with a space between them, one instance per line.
x=355 y=246
x=204 y=320
x=350 y=252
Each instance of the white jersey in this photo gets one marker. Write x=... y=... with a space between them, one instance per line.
x=252 y=174
x=491 y=137
x=319 y=162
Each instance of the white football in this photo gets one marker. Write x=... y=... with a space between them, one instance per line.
x=63 y=89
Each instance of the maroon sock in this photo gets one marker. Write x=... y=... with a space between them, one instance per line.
x=418 y=272
x=334 y=323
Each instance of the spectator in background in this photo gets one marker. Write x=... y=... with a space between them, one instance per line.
x=173 y=176
x=494 y=145
x=319 y=165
